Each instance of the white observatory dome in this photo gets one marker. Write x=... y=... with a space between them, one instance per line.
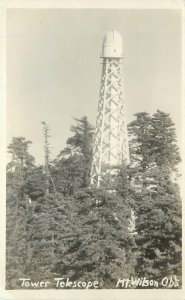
x=112 y=44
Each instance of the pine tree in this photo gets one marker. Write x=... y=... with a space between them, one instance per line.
x=21 y=158
x=140 y=132
x=164 y=151
x=102 y=247
x=67 y=172
x=53 y=230
x=155 y=157
x=159 y=229
x=82 y=141
x=71 y=169
x=35 y=183
x=18 y=250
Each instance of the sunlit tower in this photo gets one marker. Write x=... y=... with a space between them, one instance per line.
x=111 y=139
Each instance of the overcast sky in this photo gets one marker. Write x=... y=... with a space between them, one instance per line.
x=54 y=67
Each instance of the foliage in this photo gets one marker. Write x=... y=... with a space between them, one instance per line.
x=102 y=247
x=18 y=249
x=71 y=169
x=129 y=227
x=155 y=158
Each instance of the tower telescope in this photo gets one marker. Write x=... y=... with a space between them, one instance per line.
x=111 y=139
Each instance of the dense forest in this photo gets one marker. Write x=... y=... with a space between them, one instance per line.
x=62 y=226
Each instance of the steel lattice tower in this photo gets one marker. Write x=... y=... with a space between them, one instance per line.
x=111 y=139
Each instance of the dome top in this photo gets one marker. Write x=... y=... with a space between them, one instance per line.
x=112 y=44
x=112 y=38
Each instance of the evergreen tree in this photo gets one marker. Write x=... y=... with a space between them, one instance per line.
x=155 y=157
x=82 y=141
x=159 y=229
x=86 y=233
x=18 y=251
x=140 y=132
x=34 y=183
x=67 y=172
x=164 y=151
x=71 y=170
x=53 y=231
x=102 y=247
x=21 y=158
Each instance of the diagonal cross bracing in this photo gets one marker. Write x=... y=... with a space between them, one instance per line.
x=111 y=142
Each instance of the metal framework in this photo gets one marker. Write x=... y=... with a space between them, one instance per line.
x=111 y=140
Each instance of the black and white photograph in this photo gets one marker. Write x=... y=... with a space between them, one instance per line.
x=94 y=163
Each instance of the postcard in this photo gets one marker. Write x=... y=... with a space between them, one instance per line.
x=92 y=150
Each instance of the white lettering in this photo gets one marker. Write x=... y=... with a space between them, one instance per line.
x=164 y=281
x=58 y=281
x=95 y=284
x=24 y=280
x=145 y=282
